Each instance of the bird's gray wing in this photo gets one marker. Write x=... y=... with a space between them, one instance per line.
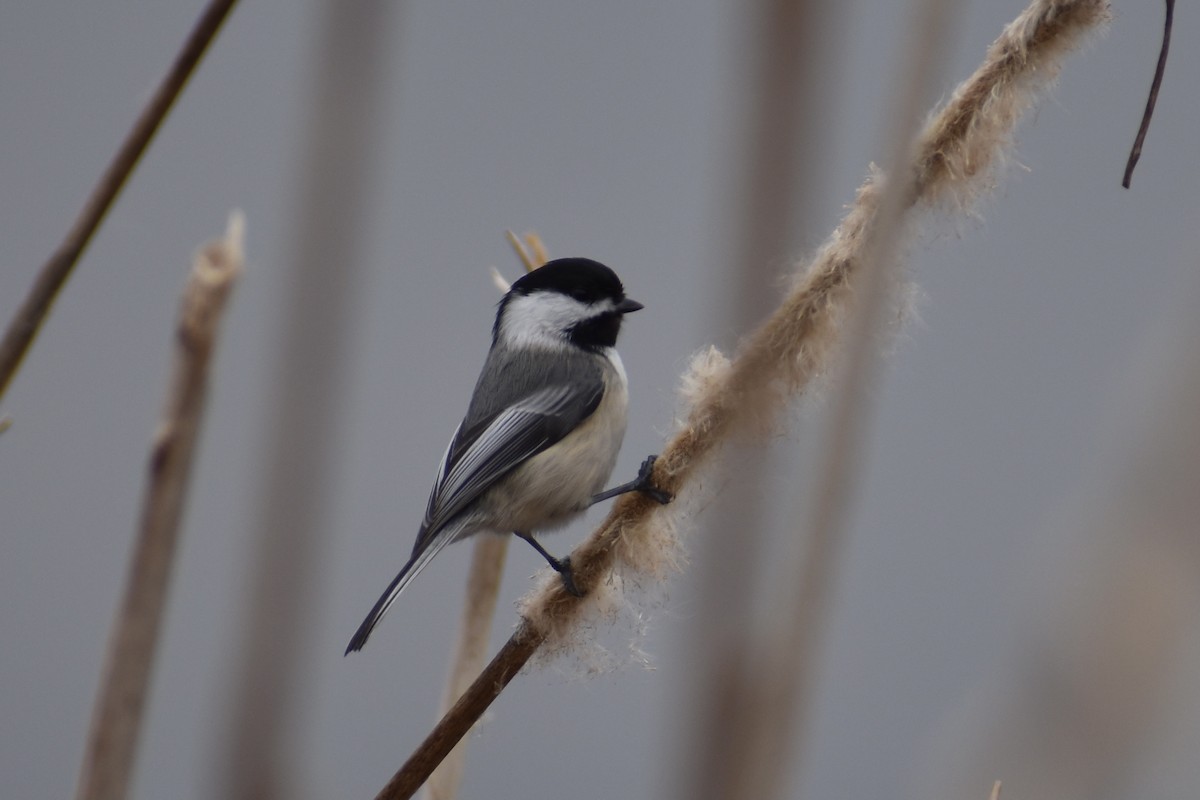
x=515 y=413
x=484 y=452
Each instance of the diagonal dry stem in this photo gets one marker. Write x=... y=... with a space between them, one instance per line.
x=54 y=273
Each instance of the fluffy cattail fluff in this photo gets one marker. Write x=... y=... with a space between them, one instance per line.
x=957 y=153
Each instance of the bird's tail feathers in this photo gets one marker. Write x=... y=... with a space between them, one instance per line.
x=413 y=568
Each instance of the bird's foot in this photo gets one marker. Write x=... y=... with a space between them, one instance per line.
x=644 y=482
x=565 y=572
x=560 y=565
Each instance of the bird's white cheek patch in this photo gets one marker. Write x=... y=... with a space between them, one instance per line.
x=544 y=317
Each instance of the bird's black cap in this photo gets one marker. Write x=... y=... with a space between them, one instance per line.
x=581 y=278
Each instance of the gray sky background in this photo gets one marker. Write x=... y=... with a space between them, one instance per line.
x=612 y=129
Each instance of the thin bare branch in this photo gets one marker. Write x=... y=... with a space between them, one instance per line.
x=954 y=157
x=466 y=712
x=1136 y=152
x=54 y=273
x=116 y=720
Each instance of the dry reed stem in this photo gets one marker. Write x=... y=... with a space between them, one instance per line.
x=782 y=139
x=483 y=588
x=339 y=154
x=955 y=154
x=488 y=555
x=121 y=699
x=24 y=326
x=531 y=250
x=787 y=653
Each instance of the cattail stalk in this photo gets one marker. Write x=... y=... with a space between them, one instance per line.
x=324 y=273
x=778 y=700
x=133 y=642
x=781 y=142
x=954 y=159
x=488 y=555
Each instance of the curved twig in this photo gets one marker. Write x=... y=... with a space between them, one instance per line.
x=1136 y=151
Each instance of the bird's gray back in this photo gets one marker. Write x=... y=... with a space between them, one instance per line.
x=508 y=377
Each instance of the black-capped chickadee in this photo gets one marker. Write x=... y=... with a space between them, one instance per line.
x=544 y=425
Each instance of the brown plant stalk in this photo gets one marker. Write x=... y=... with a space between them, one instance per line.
x=781 y=142
x=778 y=698
x=488 y=555
x=954 y=157
x=353 y=42
x=116 y=719
x=24 y=326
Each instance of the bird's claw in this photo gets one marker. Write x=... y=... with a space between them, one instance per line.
x=568 y=576
x=644 y=483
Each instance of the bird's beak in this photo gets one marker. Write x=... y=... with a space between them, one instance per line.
x=627 y=305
